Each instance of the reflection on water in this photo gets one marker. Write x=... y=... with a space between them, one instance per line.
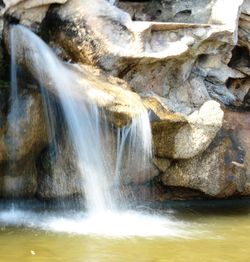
x=186 y=234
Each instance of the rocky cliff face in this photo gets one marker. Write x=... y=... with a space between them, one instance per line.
x=188 y=62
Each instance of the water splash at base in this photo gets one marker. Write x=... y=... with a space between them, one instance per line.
x=110 y=224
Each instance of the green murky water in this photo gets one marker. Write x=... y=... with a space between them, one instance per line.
x=213 y=234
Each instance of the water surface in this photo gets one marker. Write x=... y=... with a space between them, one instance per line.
x=207 y=233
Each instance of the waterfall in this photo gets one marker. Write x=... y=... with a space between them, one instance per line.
x=134 y=147
x=88 y=128
x=112 y=2
x=13 y=137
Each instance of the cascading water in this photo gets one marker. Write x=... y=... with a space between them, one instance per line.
x=134 y=150
x=112 y=1
x=14 y=113
x=90 y=135
x=88 y=128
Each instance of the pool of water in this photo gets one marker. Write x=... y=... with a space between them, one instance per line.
x=190 y=233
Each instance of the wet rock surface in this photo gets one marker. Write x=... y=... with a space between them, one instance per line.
x=178 y=56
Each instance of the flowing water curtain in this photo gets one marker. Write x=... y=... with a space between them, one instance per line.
x=82 y=117
x=88 y=128
x=134 y=152
x=21 y=47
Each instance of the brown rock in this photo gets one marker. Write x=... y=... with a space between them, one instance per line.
x=176 y=136
x=29 y=12
x=58 y=176
x=104 y=35
x=26 y=133
x=119 y=104
x=18 y=179
x=222 y=170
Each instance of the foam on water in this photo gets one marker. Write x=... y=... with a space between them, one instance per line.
x=109 y=224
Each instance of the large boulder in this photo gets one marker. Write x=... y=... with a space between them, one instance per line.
x=22 y=137
x=26 y=132
x=190 y=43
x=29 y=12
x=119 y=103
x=179 y=137
x=103 y=34
x=223 y=169
x=58 y=175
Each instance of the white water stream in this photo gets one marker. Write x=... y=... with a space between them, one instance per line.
x=89 y=131
x=90 y=135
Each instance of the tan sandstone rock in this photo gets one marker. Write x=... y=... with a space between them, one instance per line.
x=180 y=137
x=28 y=12
x=223 y=169
x=26 y=132
x=120 y=104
